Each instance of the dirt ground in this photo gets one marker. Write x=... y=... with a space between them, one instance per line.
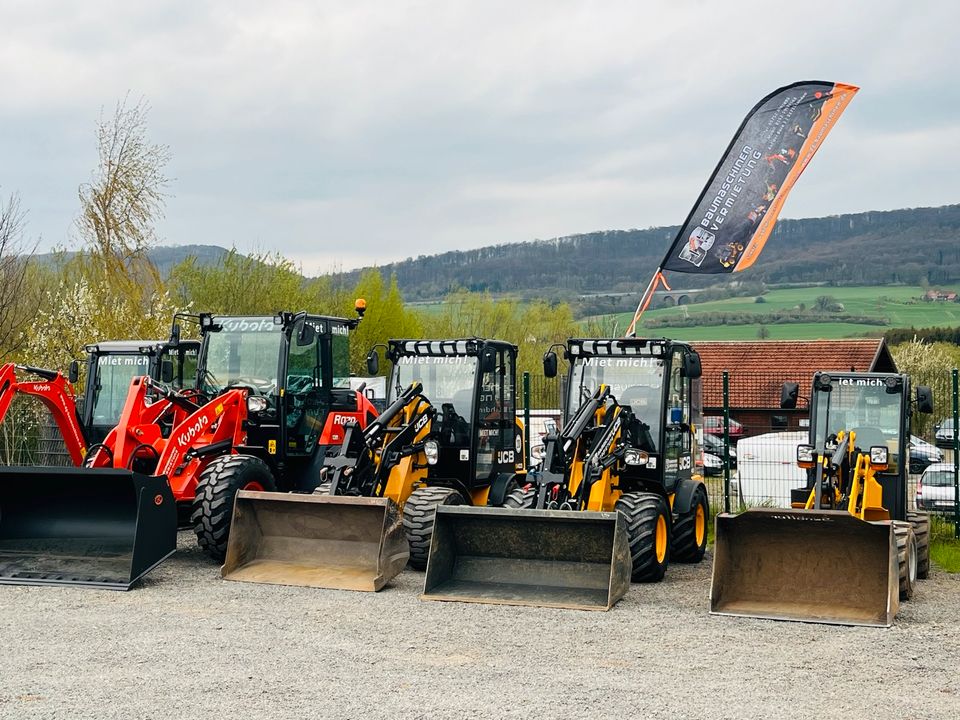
x=186 y=644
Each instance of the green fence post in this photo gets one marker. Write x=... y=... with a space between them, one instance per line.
x=726 y=442
x=526 y=419
x=956 y=460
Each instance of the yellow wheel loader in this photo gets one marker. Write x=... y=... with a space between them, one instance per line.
x=449 y=436
x=618 y=498
x=848 y=550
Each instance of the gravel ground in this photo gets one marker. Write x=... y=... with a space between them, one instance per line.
x=188 y=645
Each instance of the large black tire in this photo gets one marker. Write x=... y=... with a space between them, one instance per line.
x=921 y=529
x=648 y=528
x=690 y=530
x=906 y=558
x=216 y=489
x=521 y=498
x=418 y=517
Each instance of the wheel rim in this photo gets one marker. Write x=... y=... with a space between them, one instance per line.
x=253 y=485
x=661 y=543
x=700 y=525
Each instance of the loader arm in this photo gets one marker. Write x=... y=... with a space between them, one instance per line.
x=56 y=393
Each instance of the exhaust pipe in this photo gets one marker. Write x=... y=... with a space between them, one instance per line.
x=823 y=566
x=98 y=528
x=543 y=558
x=325 y=541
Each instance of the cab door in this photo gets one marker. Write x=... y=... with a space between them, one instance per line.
x=677 y=447
x=496 y=415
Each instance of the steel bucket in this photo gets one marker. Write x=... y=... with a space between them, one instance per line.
x=546 y=558
x=344 y=543
x=80 y=526
x=822 y=566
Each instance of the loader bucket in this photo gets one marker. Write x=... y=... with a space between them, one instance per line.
x=545 y=558
x=823 y=566
x=78 y=526
x=326 y=541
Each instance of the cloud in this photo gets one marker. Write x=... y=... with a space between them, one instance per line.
x=361 y=132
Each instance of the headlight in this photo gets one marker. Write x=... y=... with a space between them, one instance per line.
x=432 y=450
x=635 y=457
x=712 y=461
x=537 y=452
x=256 y=403
x=804 y=453
x=879 y=455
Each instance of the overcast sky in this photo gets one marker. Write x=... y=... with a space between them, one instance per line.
x=354 y=133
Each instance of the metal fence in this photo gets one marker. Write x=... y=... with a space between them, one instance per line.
x=743 y=422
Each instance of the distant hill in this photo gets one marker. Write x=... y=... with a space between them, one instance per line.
x=913 y=246
x=168 y=256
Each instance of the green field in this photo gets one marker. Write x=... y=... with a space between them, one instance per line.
x=899 y=307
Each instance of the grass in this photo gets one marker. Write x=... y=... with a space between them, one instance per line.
x=899 y=306
x=944 y=547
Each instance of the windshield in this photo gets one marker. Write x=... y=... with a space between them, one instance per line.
x=864 y=406
x=114 y=373
x=938 y=478
x=634 y=381
x=245 y=351
x=445 y=380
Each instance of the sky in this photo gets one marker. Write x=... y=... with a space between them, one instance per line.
x=345 y=134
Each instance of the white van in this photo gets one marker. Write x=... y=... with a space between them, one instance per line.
x=767 y=468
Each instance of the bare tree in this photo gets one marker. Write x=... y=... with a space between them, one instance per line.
x=15 y=257
x=126 y=197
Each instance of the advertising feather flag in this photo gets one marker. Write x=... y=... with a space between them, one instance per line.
x=735 y=214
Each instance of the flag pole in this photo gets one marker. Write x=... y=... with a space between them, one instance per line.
x=646 y=298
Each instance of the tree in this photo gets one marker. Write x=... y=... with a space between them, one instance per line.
x=16 y=303
x=110 y=290
x=762 y=332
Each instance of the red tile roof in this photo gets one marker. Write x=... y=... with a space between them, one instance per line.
x=758 y=368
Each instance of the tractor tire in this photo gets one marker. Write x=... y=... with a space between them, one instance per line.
x=521 y=499
x=906 y=557
x=648 y=529
x=921 y=528
x=418 y=518
x=216 y=490
x=690 y=530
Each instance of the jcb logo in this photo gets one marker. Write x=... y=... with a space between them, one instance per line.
x=506 y=457
x=418 y=426
x=187 y=436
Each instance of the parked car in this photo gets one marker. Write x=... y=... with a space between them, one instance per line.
x=712 y=465
x=935 y=490
x=767 y=469
x=943 y=433
x=923 y=454
x=714 y=445
x=713 y=425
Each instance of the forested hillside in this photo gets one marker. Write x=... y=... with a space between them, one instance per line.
x=913 y=246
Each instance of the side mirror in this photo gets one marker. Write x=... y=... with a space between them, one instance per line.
x=373 y=363
x=174 y=335
x=488 y=361
x=73 y=374
x=789 y=394
x=166 y=371
x=370 y=393
x=550 y=364
x=924 y=399
x=691 y=366
x=307 y=335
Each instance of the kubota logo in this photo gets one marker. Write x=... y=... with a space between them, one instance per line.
x=41 y=388
x=185 y=438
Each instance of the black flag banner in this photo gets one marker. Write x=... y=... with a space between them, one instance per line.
x=735 y=214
